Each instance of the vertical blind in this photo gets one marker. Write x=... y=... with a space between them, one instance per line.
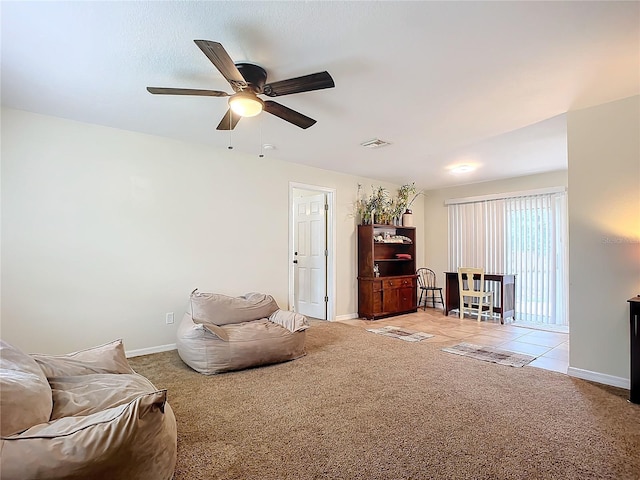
x=523 y=235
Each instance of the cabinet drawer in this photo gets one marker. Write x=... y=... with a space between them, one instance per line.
x=399 y=283
x=391 y=284
x=408 y=282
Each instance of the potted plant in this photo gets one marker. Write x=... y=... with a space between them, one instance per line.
x=363 y=207
x=380 y=204
x=407 y=194
x=381 y=208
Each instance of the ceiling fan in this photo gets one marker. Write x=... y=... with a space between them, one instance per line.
x=248 y=81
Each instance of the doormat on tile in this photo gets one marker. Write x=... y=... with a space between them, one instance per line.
x=490 y=354
x=401 y=333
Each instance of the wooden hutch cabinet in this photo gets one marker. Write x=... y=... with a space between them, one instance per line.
x=386 y=271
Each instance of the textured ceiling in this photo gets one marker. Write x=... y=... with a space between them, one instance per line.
x=483 y=83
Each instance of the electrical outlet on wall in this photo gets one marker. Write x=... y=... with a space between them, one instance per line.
x=169 y=318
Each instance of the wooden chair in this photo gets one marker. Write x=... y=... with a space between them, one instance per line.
x=427 y=284
x=472 y=288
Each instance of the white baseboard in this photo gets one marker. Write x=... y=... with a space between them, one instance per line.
x=599 y=377
x=348 y=316
x=149 y=350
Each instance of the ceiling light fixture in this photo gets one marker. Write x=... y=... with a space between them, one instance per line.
x=246 y=104
x=463 y=169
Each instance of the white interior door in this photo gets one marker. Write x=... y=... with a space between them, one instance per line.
x=310 y=255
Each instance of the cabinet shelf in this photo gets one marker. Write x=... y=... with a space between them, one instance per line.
x=392 y=243
x=393 y=260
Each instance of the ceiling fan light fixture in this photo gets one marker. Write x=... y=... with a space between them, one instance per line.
x=246 y=104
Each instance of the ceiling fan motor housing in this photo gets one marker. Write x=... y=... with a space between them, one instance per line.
x=254 y=75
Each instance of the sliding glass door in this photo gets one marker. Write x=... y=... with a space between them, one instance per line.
x=523 y=235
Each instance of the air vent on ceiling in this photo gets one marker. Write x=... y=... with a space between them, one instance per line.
x=375 y=143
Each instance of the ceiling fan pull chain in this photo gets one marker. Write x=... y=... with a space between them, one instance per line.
x=230 y=147
x=261 y=144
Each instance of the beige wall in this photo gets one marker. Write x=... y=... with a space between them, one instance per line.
x=104 y=231
x=436 y=217
x=604 y=235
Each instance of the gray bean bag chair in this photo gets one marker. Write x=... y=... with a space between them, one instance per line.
x=219 y=333
x=86 y=415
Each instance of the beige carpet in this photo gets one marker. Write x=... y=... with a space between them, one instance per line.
x=364 y=406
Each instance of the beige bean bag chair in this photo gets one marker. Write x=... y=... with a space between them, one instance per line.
x=82 y=416
x=220 y=333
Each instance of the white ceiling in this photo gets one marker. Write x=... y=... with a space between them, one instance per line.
x=484 y=83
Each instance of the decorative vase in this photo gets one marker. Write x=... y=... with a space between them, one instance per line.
x=407 y=218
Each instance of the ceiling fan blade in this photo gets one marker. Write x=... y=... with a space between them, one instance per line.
x=287 y=114
x=222 y=61
x=307 y=83
x=229 y=121
x=186 y=91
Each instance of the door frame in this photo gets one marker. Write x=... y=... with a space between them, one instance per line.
x=331 y=245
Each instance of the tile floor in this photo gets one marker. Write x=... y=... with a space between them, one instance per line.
x=551 y=348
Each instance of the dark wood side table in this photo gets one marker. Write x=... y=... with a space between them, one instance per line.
x=634 y=396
